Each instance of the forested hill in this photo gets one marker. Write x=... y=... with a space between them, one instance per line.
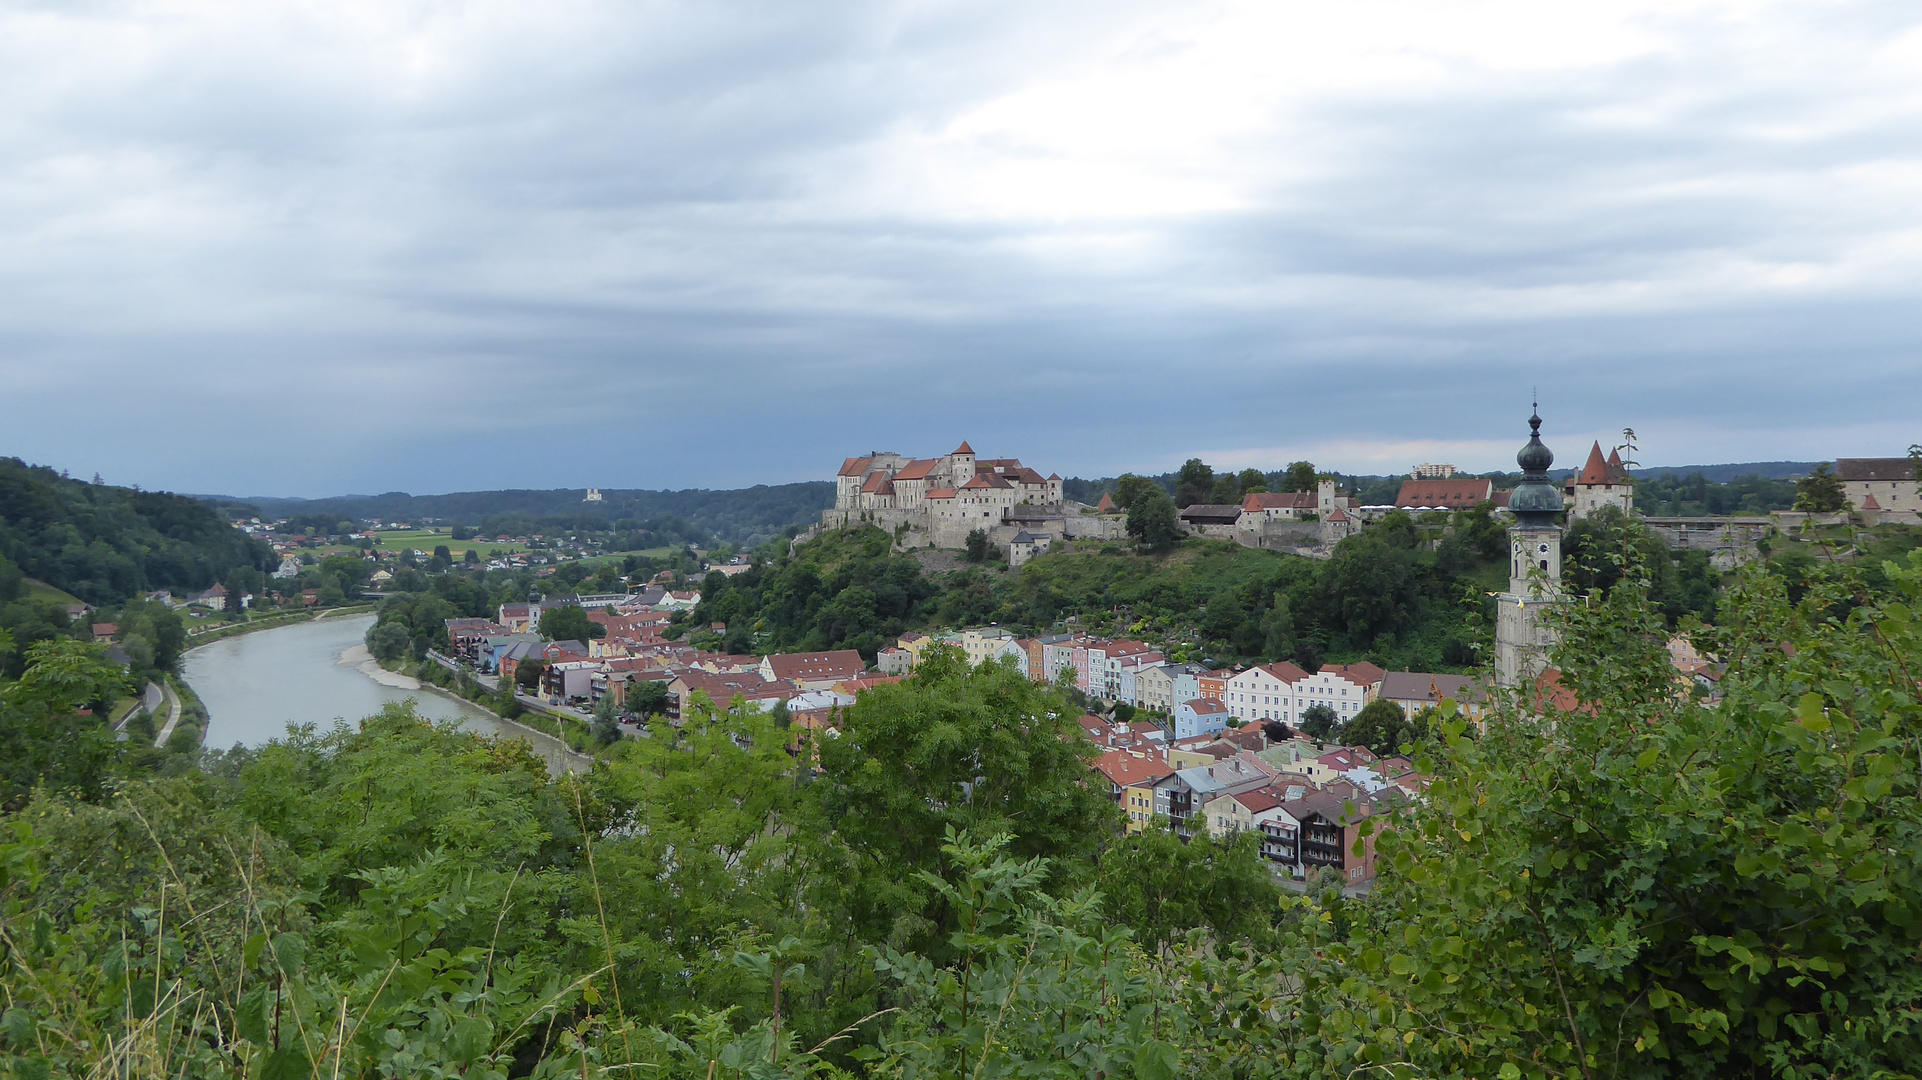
x=743 y=516
x=105 y=544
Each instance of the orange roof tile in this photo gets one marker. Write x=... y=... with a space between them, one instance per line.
x=1596 y=472
x=855 y=466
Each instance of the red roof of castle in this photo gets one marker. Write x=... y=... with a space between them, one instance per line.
x=918 y=469
x=1106 y=503
x=1278 y=500
x=985 y=480
x=1452 y=494
x=1596 y=473
x=878 y=484
x=964 y=448
x=855 y=466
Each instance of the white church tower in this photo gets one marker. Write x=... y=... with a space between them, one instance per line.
x=1534 y=567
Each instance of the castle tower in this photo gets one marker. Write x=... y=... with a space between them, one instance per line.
x=1534 y=567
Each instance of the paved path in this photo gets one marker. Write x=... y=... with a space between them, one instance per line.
x=173 y=717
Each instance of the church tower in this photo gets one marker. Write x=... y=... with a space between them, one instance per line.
x=1534 y=567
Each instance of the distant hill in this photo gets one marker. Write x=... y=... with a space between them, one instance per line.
x=1722 y=474
x=105 y=544
x=742 y=516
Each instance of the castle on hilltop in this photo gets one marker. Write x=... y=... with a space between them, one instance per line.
x=937 y=502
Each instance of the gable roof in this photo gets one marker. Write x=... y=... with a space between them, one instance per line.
x=1361 y=672
x=1204 y=706
x=1430 y=689
x=940 y=493
x=1257 y=501
x=1450 y=494
x=878 y=484
x=1875 y=468
x=837 y=664
x=918 y=469
x=854 y=466
x=986 y=480
x=1211 y=513
x=1125 y=770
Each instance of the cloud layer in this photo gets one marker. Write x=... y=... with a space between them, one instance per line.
x=308 y=249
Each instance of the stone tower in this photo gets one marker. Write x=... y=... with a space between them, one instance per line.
x=1534 y=567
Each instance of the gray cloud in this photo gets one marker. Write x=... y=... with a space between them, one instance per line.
x=373 y=247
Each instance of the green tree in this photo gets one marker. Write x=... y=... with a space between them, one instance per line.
x=1193 y=483
x=388 y=641
x=646 y=697
x=1319 y=722
x=1227 y=490
x=569 y=622
x=1252 y=481
x=1643 y=886
x=1130 y=489
x=954 y=748
x=607 y=721
x=1152 y=521
x=978 y=545
x=1301 y=476
x=1820 y=492
x=44 y=737
x=1381 y=726
x=527 y=674
x=1161 y=886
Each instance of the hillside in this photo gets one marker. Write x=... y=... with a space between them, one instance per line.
x=105 y=544
x=741 y=516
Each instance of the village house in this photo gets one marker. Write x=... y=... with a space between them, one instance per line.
x=1263 y=692
x=1418 y=690
x=1888 y=485
x=813 y=671
x=1198 y=716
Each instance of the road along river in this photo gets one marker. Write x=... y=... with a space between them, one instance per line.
x=255 y=684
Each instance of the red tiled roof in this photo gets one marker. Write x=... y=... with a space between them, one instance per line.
x=983 y=481
x=1286 y=671
x=1596 y=473
x=1615 y=470
x=964 y=448
x=941 y=493
x=1205 y=706
x=1868 y=503
x=1450 y=494
x=878 y=484
x=837 y=664
x=1257 y=800
x=1255 y=502
x=1126 y=770
x=1106 y=503
x=1361 y=672
x=918 y=469
x=855 y=466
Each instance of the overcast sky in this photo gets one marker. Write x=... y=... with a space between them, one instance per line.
x=328 y=247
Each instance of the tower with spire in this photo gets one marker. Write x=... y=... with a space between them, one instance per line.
x=1534 y=566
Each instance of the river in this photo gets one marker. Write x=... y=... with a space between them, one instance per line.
x=255 y=684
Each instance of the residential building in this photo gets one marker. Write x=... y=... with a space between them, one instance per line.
x=1418 y=690
x=1181 y=795
x=992 y=643
x=1264 y=692
x=1160 y=686
x=1198 y=717
x=1345 y=688
x=1885 y=484
x=1026 y=545
x=813 y=671
x=1442 y=471
x=1126 y=771
x=894 y=660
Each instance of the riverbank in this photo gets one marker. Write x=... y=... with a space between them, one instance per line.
x=210 y=635
x=358 y=658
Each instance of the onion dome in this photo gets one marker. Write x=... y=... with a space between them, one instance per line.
x=1535 y=502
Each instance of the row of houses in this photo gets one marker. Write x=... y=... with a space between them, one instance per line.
x=1197 y=700
x=1307 y=800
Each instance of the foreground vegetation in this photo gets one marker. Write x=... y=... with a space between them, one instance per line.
x=1640 y=887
